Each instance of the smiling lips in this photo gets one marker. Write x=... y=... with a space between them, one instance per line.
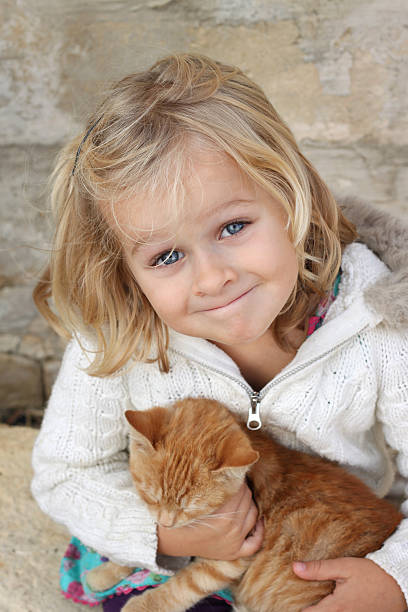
x=229 y=303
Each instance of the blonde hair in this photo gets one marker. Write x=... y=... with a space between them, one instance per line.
x=137 y=140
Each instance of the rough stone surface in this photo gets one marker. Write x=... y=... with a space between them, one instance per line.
x=20 y=382
x=9 y=343
x=31 y=544
x=336 y=70
x=16 y=309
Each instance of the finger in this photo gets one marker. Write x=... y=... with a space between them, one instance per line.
x=328 y=569
x=253 y=542
x=234 y=502
x=238 y=505
x=246 y=494
x=249 y=520
x=241 y=511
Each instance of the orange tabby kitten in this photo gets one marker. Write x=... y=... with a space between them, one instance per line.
x=197 y=451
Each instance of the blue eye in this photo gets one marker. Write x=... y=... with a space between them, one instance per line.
x=168 y=258
x=233 y=228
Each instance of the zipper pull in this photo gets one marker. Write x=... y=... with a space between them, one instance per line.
x=254 y=419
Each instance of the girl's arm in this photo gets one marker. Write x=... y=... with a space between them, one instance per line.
x=379 y=581
x=392 y=413
x=80 y=461
x=82 y=479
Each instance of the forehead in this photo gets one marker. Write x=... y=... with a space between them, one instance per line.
x=210 y=183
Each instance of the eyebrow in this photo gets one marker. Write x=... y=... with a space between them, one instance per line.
x=205 y=214
x=230 y=203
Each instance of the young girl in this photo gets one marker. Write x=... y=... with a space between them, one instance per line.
x=198 y=253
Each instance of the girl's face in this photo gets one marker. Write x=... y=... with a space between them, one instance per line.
x=223 y=272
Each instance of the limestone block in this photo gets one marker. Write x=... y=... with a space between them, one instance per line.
x=20 y=383
x=31 y=544
x=16 y=309
x=367 y=170
x=30 y=77
x=32 y=346
x=52 y=345
x=8 y=343
x=25 y=222
x=40 y=347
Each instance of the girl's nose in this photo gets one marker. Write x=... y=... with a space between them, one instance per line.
x=211 y=273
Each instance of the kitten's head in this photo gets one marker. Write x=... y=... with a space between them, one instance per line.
x=188 y=459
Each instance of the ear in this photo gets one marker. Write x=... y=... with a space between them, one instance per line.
x=147 y=426
x=237 y=455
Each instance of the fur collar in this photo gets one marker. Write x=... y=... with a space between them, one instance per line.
x=387 y=237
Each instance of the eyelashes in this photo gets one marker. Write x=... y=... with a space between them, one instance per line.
x=172 y=256
x=233 y=228
x=167 y=258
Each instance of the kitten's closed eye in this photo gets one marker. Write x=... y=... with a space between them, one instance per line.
x=151 y=498
x=150 y=501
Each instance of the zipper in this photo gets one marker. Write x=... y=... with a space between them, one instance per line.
x=254 y=421
x=254 y=418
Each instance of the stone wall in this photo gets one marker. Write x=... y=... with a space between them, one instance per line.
x=335 y=69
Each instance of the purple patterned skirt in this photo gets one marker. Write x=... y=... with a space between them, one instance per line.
x=209 y=604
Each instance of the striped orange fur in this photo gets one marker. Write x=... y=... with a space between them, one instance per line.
x=312 y=508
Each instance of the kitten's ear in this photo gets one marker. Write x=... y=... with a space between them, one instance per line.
x=237 y=454
x=147 y=426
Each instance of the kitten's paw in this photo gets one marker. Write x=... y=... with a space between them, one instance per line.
x=105 y=576
x=98 y=579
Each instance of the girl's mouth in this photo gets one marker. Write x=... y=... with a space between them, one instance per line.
x=230 y=302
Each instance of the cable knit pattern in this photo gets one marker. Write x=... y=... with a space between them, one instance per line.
x=81 y=463
x=344 y=396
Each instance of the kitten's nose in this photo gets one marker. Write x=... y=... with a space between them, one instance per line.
x=167 y=518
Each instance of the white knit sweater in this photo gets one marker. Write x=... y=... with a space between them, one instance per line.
x=344 y=396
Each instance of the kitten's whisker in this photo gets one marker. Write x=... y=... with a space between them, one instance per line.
x=223 y=515
x=199 y=523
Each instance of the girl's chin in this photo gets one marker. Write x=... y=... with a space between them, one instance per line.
x=227 y=334
x=239 y=339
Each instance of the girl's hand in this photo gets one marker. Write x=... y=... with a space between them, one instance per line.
x=361 y=586
x=223 y=535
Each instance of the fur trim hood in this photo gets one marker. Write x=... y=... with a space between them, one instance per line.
x=387 y=237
